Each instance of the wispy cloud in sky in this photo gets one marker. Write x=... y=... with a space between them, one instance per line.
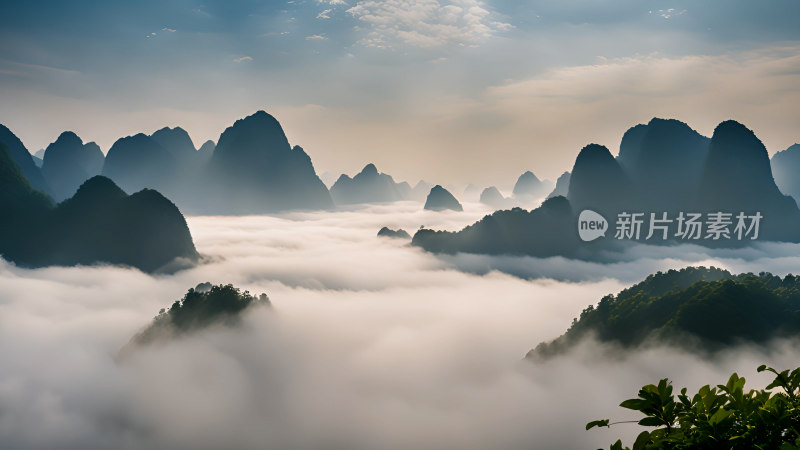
x=414 y=78
x=425 y=23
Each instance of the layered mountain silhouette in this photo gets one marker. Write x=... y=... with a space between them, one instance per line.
x=254 y=169
x=471 y=192
x=251 y=169
x=491 y=196
x=737 y=177
x=420 y=191
x=786 y=167
x=440 y=199
x=665 y=160
x=545 y=231
x=99 y=224
x=598 y=182
x=177 y=142
x=369 y=186
x=23 y=159
x=138 y=162
x=562 y=186
x=205 y=152
x=675 y=307
x=22 y=209
x=664 y=167
x=68 y=162
x=529 y=186
x=390 y=233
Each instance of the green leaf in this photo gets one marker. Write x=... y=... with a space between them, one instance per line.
x=597 y=423
x=719 y=416
x=635 y=404
x=617 y=445
x=641 y=441
x=651 y=422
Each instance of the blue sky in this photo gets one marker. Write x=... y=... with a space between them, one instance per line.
x=447 y=90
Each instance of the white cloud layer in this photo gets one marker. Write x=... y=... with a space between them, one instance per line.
x=371 y=345
x=425 y=23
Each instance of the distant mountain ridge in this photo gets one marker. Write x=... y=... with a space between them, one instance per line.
x=23 y=159
x=369 y=186
x=440 y=199
x=529 y=186
x=99 y=224
x=68 y=162
x=664 y=168
x=254 y=169
x=251 y=169
x=785 y=167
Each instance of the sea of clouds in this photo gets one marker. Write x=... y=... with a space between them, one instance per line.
x=370 y=344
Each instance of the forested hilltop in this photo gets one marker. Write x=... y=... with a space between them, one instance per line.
x=699 y=308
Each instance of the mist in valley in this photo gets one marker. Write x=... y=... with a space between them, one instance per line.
x=371 y=343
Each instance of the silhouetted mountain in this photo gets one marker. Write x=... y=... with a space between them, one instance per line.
x=139 y=162
x=545 y=231
x=441 y=199
x=103 y=224
x=38 y=161
x=734 y=188
x=737 y=177
x=68 y=163
x=388 y=232
x=562 y=186
x=254 y=169
x=528 y=186
x=786 y=167
x=100 y=223
x=599 y=183
x=177 y=142
x=368 y=186
x=205 y=152
x=471 y=192
x=665 y=160
x=22 y=208
x=405 y=191
x=420 y=191
x=39 y=154
x=492 y=197
x=23 y=159
x=697 y=308
x=200 y=308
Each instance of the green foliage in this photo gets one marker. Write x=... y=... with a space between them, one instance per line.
x=201 y=307
x=721 y=417
x=675 y=307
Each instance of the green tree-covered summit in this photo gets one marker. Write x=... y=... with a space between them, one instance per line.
x=698 y=308
x=201 y=307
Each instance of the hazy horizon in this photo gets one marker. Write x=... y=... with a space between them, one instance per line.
x=526 y=84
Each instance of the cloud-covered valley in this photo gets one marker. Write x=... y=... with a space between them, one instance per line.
x=370 y=344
